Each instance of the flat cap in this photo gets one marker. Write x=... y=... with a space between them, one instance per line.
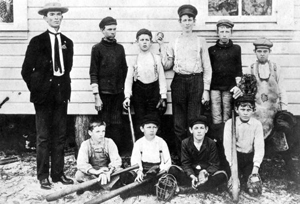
x=107 y=21
x=262 y=43
x=53 y=6
x=150 y=118
x=225 y=22
x=187 y=9
x=200 y=120
x=144 y=31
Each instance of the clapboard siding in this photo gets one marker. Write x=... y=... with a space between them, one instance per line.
x=81 y=25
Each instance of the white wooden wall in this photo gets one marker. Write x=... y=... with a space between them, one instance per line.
x=81 y=25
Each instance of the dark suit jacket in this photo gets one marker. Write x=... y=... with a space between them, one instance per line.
x=37 y=69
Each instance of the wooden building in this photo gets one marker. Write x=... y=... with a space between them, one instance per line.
x=80 y=24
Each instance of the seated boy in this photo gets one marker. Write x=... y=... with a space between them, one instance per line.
x=249 y=143
x=97 y=156
x=145 y=82
x=152 y=155
x=200 y=160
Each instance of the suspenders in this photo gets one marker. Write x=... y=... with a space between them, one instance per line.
x=135 y=68
x=198 y=59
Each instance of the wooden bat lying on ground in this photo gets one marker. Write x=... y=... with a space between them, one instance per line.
x=234 y=166
x=84 y=185
x=114 y=193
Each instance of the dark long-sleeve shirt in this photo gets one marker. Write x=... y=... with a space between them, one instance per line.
x=226 y=65
x=207 y=157
x=108 y=67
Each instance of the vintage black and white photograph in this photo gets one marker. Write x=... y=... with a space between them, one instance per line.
x=139 y=101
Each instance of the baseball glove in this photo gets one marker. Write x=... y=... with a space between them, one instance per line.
x=254 y=185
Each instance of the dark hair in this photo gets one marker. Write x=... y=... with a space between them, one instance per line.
x=94 y=124
x=245 y=104
x=189 y=15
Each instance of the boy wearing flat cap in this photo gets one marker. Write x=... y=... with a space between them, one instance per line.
x=145 y=82
x=108 y=71
x=46 y=71
x=199 y=159
x=152 y=155
x=226 y=66
x=271 y=99
x=188 y=56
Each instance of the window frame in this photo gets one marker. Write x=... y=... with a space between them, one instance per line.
x=282 y=17
x=19 y=28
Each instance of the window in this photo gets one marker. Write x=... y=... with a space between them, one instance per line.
x=240 y=7
x=13 y=19
x=260 y=14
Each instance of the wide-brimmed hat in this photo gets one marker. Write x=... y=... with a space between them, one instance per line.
x=54 y=6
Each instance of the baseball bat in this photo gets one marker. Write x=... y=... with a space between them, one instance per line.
x=234 y=167
x=84 y=185
x=114 y=193
x=131 y=125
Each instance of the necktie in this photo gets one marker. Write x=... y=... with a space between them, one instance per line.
x=57 y=64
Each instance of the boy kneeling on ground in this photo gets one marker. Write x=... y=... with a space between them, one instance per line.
x=249 y=143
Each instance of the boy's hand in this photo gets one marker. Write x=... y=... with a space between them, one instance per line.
x=202 y=177
x=103 y=178
x=98 y=103
x=140 y=176
x=236 y=92
x=205 y=97
x=159 y=38
x=194 y=181
x=126 y=103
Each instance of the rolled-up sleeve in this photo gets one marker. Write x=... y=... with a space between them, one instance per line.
x=206 y=65
x=83 y=158
x=115 y=159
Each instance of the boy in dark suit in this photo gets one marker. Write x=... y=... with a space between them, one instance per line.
x=46 y=71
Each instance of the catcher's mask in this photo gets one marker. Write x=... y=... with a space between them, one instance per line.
x=166 y=187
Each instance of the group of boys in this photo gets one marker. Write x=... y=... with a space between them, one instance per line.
x=201 y=75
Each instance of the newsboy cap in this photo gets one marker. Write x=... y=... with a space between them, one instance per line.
x=54 y=6
x=187 y=9
x=144 y=31
x=200 y=120
x=150 y=118
x=262 y=43
x=225 y=22
x=107 y=21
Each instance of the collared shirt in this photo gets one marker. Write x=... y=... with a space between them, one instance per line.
x=249 y=138
x=149 y=151
x=206 y=158
x=146 y=73
x=85 y=153
x=189 y=55
x=52 y=39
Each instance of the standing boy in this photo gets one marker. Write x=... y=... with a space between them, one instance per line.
x=249 y=143
x=145 y=81
x=108 y=72
x=271 y=98
x=226 y=66
x=46 y=71
x=188 y=56
x=97 y=156
x=199 y=159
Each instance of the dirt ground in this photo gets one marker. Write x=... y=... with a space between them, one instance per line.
x=18 y=185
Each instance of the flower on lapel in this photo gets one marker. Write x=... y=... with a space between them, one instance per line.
x=64 y=45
